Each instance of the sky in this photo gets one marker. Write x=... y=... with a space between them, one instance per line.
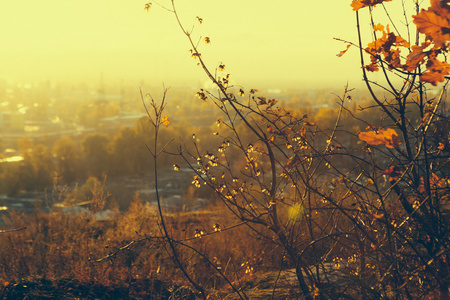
x=260 y=42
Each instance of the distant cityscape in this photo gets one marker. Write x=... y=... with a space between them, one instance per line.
x=47 y=110
x=45 y=113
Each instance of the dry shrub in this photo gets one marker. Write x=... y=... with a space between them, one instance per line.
x=59 y=245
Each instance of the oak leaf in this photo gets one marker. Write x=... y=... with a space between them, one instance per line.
x=436 y=71
x=434 y=23
x=386 y=46
x=371 y=68
x=416 y=57
x=388 y=137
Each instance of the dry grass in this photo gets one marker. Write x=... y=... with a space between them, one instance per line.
x=57 y=246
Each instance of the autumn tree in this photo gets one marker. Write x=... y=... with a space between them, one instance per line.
x=97 y=154
x=129 y=152
x=376 y=227
x=34 y=172
x=68 y=158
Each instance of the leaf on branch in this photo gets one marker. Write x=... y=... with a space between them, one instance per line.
x=221 y=67
x=308 y=123
x=416 y=57
x=343 y=51
x=272 y=102
x=393 y=172
x=358 y=4
x=198 y=233
x=436 y=71
x=165 y=121
x=207 y=40
x=387 y=46
x=434 y=23
x=388 y=137
x=195 y=54
x=371 y=68
x=200 y=20
x=148 y=6
x=201 y=94
x=435 y=182
x=378 y=27
x=262 y=101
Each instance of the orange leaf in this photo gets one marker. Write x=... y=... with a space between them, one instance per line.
x=393 y=172
x=436 y=71
x=435 y=182
x=165 y=121
x=308 y=123
x=378 y=216
x=388 y=137
x=371 y=67
x=378 y=27
x=343 y=51
x=432 y=77
x=387 y=45
x=434 y=23
x=416 y=57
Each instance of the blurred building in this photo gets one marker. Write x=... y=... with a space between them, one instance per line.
x=12 y=122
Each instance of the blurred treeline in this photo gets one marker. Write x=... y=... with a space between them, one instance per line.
x=123 y=151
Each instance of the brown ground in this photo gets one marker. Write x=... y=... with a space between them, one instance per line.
x=260 y=287
x=71 y=289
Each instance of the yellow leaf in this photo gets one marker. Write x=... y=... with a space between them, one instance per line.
x=165 y=121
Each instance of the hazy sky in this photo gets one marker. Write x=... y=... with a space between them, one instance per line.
x=260 y=42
